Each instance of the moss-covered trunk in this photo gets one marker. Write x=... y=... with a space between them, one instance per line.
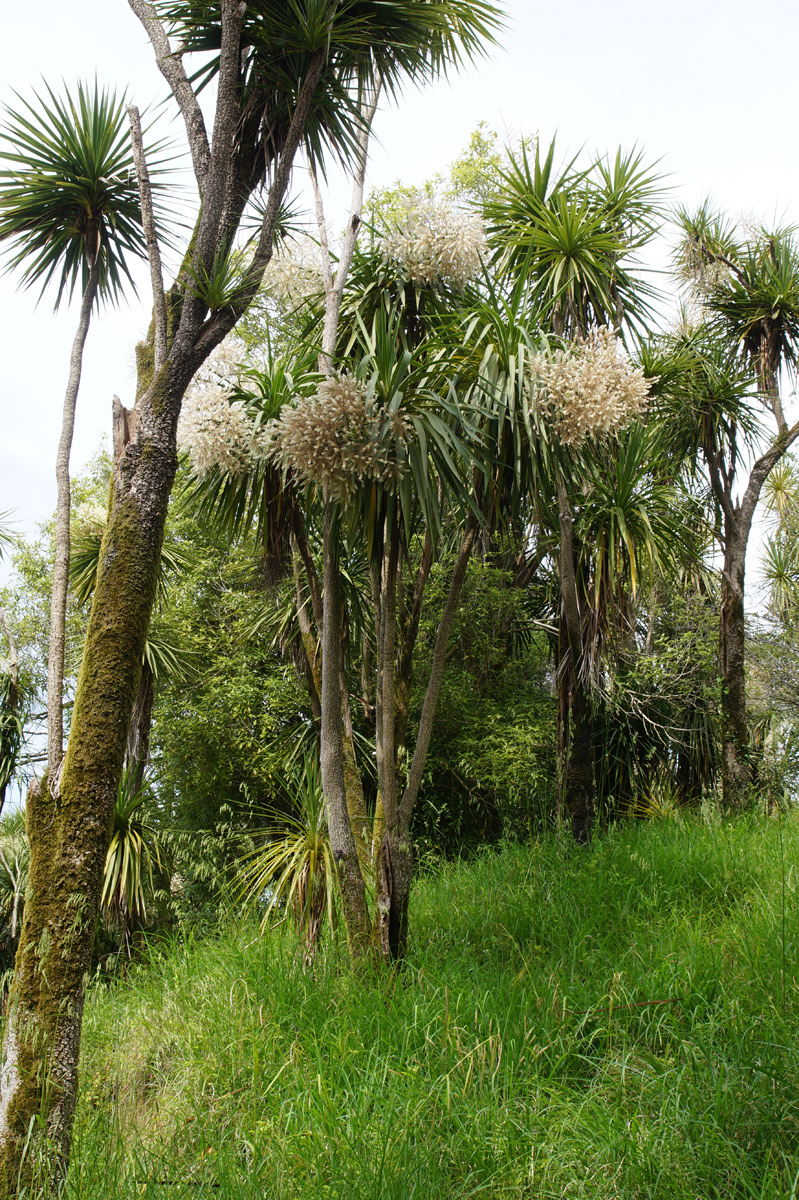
x=69 y=830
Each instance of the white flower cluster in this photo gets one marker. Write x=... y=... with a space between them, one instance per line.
x=336 y=439
x=295 y=272
x=590 y=390
x=437 y=243
x=215 y=431
x=89 y=518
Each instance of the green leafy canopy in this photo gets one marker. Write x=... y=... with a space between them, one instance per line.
x=68 y=190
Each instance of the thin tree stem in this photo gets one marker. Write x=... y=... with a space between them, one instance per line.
x=148 y=224
x=58 y=604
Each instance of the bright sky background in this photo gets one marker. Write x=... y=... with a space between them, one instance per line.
x=699 y=84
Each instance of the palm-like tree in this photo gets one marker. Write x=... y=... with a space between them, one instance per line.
x=567 y=241
x=720 y=380
x=70 y=212
x=295 y=866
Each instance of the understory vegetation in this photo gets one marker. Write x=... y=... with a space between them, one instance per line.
x=603 y=1022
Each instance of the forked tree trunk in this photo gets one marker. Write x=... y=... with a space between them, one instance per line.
x=58 y=602
x=394 y=866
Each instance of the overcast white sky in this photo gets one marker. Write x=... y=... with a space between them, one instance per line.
x=699 y=84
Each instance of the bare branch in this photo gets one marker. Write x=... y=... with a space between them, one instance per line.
x=324 y=244
x=720 y=490
x=227 y=113
x=171 y=67
x=148 y=224
x=762 y=468
x=335 y=290
x=222 y=322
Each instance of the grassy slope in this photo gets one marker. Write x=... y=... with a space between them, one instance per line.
x=524 y=1052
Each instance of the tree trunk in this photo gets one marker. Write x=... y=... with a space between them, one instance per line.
x=58 y=603
x=342 y=840
x=736 y=773
x=69 y=836
x=580 y=781
x=580 y=784
x=138 y=748
x=395 y=857
x=356 y=803
x=10 y=728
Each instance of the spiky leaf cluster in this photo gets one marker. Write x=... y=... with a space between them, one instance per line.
x=68 y=190
x=588 y=389
x=437 y=243
x=337 y=439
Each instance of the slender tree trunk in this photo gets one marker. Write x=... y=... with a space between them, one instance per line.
x=138 y=748
x=9 y=718
x=356 y=803
x=394 y=867
x=342 y=839
x=580 y=779
x=736 y=772
x=58 y=603
x=578 y=773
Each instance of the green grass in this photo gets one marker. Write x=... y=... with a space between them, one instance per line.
x=613 y=1023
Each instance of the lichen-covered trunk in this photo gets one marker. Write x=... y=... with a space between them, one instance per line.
x=736 y=776
x=69 y=834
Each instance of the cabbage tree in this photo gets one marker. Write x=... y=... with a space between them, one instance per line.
x=70 y=214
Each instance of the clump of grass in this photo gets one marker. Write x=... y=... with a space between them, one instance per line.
x=611 y=1023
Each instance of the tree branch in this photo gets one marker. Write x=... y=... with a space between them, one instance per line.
x=148 y=224
x=720 y=491
x=436 y=674
x=760 y=471
x=171 y=67
x=220 y=324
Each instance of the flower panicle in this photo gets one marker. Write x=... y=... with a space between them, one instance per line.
x=336 y=440
x=437 y=243
x=589 y=390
